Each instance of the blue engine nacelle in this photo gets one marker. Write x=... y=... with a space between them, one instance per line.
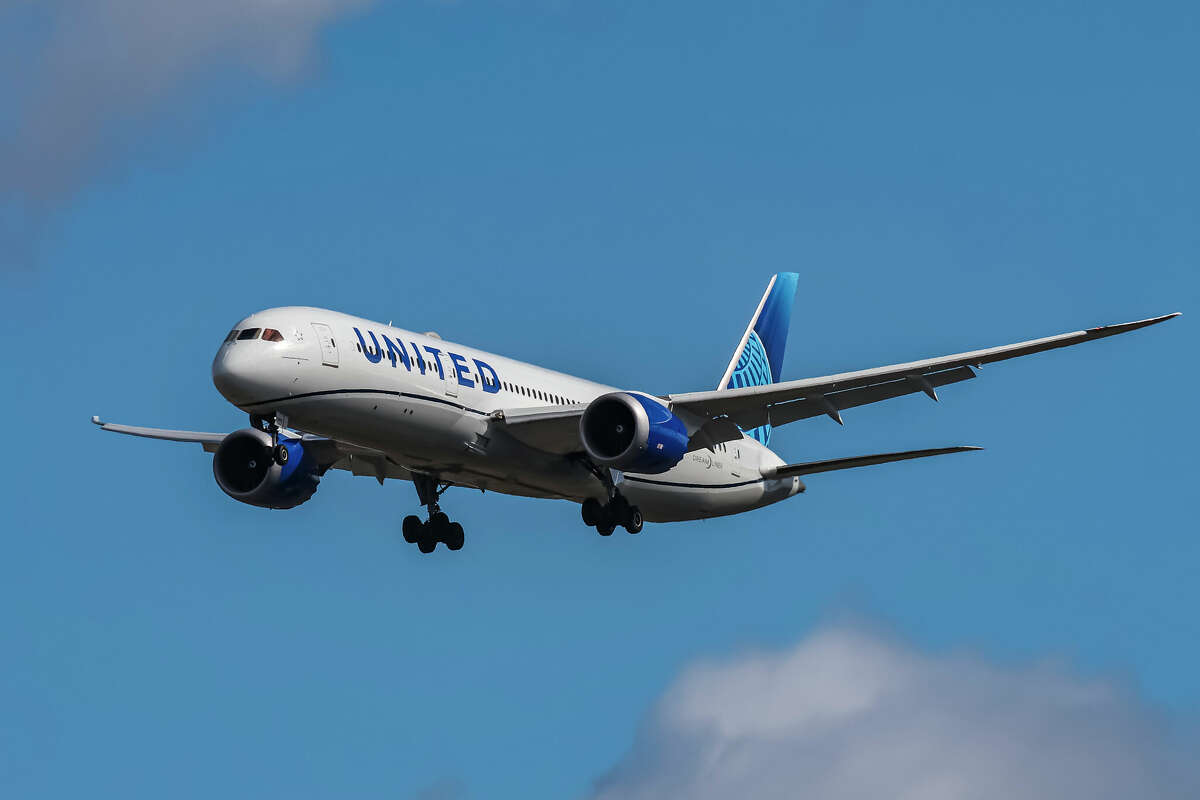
x=633 y=433
x=245 y=468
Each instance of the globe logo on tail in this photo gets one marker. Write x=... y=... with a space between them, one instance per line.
x=753 y=369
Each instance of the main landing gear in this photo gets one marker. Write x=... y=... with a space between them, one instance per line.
x=439 y=528
x=605 y=518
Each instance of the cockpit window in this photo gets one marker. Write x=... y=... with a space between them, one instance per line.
x=249 y=333
x=272 y=335
x=232 y=335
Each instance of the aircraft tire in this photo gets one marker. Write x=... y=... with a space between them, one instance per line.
x=633 y=520
x=455 y=536
x=591 y=511
x=281 y=455
x=427 y=544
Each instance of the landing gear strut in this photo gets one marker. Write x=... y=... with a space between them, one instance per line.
x=272 y=425
x=439 y=528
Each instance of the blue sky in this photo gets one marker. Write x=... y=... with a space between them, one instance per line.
x=604 y=188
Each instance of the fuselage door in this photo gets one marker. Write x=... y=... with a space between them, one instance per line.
x=449 y=376
x=329 y=354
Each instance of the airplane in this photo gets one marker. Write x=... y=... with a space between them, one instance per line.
x=326 y=390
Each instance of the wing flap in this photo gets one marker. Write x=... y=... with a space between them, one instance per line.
x=813 y=467
x=784 y=413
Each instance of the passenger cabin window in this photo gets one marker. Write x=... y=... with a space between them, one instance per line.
x=249 y=333
x=232 y=335
x=272 y=335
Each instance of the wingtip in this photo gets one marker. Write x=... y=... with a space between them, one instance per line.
x=1163 y=318
x=96 y=420
x=1124 y=327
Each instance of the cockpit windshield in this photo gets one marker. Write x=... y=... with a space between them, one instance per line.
x=268 y=335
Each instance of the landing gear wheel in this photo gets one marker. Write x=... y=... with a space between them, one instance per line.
x=591 y=511
x=454 y=536
x=281 y=455
x=606 y=525
x=438 y=528
x=633 y=520
x=412 y=528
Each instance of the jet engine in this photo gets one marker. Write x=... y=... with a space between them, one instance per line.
x=633 y=433
x=249 y=470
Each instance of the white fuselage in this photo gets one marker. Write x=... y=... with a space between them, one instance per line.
x=429 y=404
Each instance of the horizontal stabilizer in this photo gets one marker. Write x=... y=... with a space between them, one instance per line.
x=811 y=467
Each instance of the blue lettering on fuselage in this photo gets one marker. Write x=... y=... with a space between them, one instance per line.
x=436 y=359
x=417 y=356
x=395 y=352
x=490 y=386
x=372 y=355
x=461 y=370
x=488 y=381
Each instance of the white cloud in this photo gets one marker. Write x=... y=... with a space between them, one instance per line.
x=97 y=63
x=848 y=714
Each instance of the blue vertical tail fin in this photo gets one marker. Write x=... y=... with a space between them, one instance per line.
x=758 y=359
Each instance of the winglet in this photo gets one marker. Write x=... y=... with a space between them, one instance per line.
x=96 y=420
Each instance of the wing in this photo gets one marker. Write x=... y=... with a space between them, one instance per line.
x=552 y=429
x=781 y=403
x=329 y=453
x=721 y=416
x=208 y=440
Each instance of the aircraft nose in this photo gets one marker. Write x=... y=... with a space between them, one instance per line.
x=233 y=373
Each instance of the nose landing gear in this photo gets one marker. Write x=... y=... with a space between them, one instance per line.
x=439 y=528
x=272 y=425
